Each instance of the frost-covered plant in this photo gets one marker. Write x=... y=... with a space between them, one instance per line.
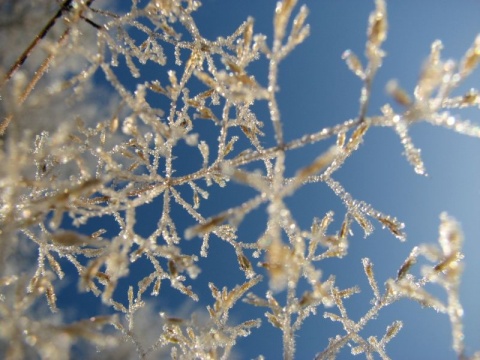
x=138 y=108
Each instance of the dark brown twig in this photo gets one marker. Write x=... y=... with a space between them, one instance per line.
x=64 y=8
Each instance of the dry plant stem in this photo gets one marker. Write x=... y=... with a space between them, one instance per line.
x=288 y=330
x=108 y=163
x=31 y=85
x=65 y=7
x=365 y=98
x=272 y=102
x=44 y=66
x=21 y=59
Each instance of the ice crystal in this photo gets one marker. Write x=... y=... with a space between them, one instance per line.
x=74 y=187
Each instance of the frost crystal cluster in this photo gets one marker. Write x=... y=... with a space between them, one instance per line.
x=110 y=108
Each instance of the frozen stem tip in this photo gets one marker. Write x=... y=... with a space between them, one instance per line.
x=353 y=63
x=378 y=26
